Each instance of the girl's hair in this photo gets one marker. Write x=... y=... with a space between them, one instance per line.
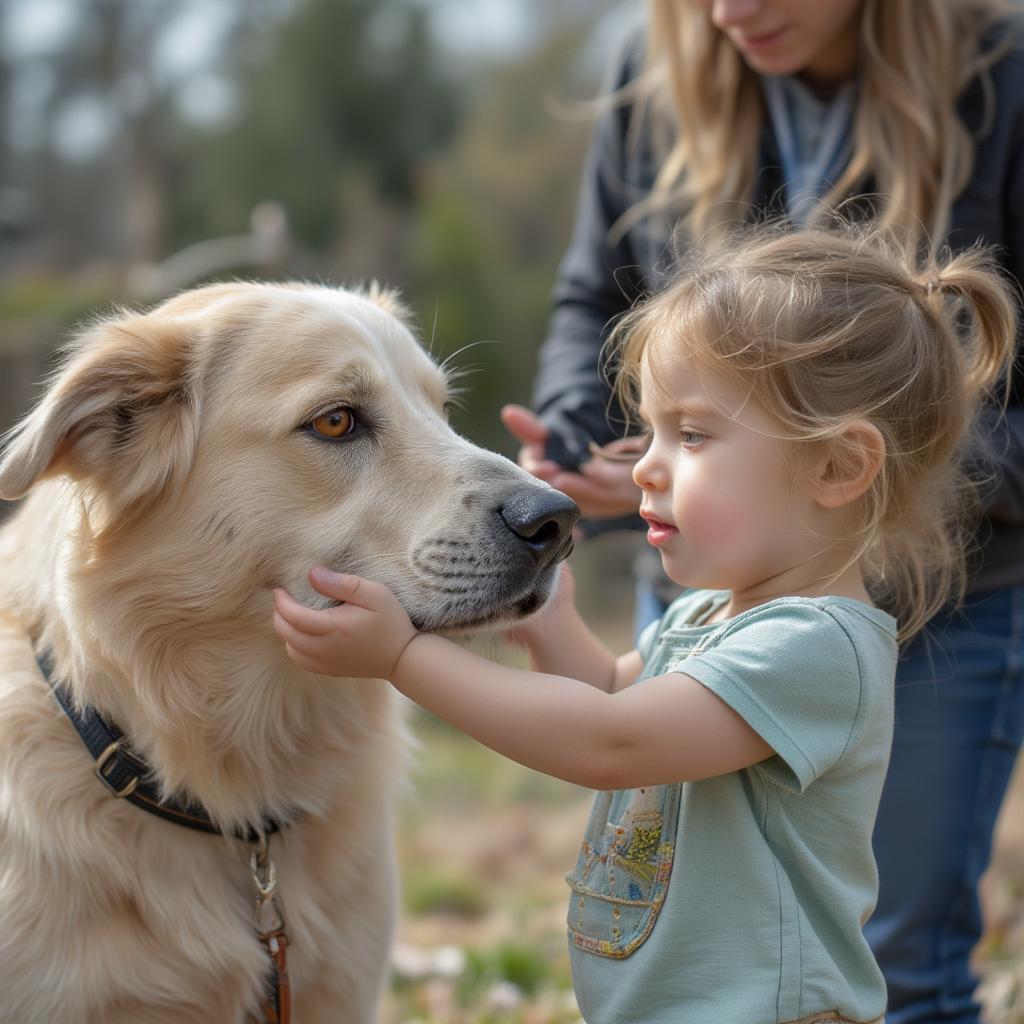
x=706 y=110
x=824 y=327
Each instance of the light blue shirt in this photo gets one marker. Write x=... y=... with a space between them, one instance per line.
x=740 y=899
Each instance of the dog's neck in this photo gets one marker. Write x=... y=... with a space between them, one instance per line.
x=241 y=730
x=205 y=692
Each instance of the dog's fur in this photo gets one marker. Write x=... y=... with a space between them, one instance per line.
x=174 y=481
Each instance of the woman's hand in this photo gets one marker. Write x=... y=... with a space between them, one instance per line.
x=363 y=637
x=603 y=488
x=531 y=433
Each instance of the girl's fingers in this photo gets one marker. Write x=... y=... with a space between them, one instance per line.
x=334 y=584
x=312 y=621
x=292 y=636
x=355 y=590
x=303 y=660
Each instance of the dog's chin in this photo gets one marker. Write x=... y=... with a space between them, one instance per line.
x=502 y=614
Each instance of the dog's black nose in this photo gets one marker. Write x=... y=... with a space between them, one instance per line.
x=543 y=519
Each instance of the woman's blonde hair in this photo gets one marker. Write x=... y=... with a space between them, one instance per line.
x=824 y=327
x=916 y=57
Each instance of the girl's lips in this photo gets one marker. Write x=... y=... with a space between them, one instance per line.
x=658 y=532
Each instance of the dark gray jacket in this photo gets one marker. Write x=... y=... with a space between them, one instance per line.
x=601 y=277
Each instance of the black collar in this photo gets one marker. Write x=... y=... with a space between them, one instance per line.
x=127 y=775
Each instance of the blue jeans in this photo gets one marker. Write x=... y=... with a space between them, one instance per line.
x=959 y=719
x=648 y=607
x=959 y=722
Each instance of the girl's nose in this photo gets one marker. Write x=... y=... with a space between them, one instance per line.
x=730 y=13
x=649 y=473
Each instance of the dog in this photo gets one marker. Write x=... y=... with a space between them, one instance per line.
x=182 y=463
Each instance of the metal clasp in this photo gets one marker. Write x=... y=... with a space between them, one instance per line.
x=264 y=879
x=101 y=763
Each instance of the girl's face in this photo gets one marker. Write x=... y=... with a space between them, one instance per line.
x=721 y=501
x=816 y=39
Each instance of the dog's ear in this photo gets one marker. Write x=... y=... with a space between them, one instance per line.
x=120 y=413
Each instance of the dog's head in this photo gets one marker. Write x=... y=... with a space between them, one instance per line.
x=239 y=434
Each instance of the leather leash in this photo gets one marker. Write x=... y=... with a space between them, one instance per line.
x=271 y=932
x=127 y=776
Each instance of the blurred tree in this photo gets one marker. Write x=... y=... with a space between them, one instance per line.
x=6 y=73
x=326 y=93
x=97 y=167
x=342 y=95
x=495 y=217
x=393 y=157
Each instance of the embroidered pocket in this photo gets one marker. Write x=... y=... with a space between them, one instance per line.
x=622 y=873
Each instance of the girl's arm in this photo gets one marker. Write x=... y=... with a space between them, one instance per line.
x=669 y=729
x=560 y=643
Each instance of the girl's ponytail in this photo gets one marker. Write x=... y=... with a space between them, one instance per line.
x=978 y=290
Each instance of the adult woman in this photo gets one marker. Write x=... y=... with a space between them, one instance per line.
x=909 y=112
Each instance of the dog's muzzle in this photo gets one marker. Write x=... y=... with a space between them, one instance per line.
x=543 y=520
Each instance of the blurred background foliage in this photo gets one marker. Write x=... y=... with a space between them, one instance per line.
x=148 y=145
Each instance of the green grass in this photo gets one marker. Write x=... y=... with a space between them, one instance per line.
x=479 y=873
x=432 y=889
x=453 y=772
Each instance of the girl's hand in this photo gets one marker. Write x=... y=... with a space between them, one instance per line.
x=549 y=621
x=364 y=637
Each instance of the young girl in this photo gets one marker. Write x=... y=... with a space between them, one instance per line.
x=724 y=110
x=808 y=400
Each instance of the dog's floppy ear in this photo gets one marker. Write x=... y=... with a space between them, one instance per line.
x=120 y=413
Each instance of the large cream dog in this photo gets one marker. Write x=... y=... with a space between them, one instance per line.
x=182 y=464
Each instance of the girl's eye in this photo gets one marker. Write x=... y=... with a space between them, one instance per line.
x=334 y=423
x=691 y=438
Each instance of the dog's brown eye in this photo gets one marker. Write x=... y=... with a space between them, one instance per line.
x=335 y=423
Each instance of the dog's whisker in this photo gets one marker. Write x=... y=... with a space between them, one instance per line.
x=460 y=373
x=445 y=365
x=433 y=329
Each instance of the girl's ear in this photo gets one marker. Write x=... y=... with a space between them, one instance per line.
x=848 y=465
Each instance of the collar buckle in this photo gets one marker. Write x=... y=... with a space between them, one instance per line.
x=107 y=757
